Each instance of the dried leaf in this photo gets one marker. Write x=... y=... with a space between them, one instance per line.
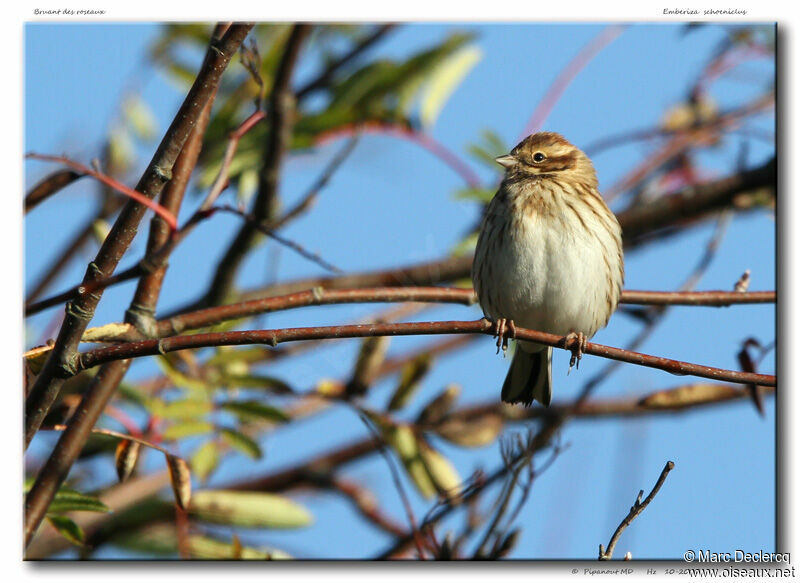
x=125 y=458
x=441 y=471
x=410 y=378
x=439 y=406
x=687 y=395
x=477 y=432
x=181 y=479
x=370 y=357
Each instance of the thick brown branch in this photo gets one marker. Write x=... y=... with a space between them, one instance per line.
x=691 y=203
x=103 y=385
x=81 y=309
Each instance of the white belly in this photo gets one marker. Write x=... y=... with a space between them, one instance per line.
x=552 y=277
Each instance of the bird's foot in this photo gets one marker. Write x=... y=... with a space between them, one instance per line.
x=504 y=329
x=576 y=343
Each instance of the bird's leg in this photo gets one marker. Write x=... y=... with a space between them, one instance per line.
x=576 y=341
x=504 y=329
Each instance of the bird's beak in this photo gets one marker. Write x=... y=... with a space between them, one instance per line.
x=506 y=161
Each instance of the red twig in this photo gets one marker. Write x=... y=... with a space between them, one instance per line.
x=606 y=36
x=110 y=182
x=421 y=139
x=221 y=181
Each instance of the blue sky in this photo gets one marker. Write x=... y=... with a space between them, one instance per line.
x=721 y=494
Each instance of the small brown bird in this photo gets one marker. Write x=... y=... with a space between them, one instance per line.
x=549 y=258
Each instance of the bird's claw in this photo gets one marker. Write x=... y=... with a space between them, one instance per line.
x=576 y=342
x=503 y=330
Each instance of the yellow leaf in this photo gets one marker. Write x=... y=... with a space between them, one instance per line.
x=445 y=80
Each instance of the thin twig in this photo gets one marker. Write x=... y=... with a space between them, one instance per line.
x=311 y=195
x=422 y=139
x=381 y=446
x=325 y=77
x=637 y=508
x=280 y=110
x=262 y=227
x=221 y=181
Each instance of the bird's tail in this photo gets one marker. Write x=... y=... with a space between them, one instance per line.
x=529 y=377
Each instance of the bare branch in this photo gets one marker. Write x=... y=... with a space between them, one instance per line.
x=92 y=358
x=50 y=185
x=637 y=508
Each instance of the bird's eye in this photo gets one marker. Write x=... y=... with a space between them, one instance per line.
x=538 y=157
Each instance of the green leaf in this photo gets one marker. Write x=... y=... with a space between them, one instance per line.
x=131 y=393
x=255 y=410
x=483 y=195
x=178 y=378
x=248 y=509
x=205 y=460
x=182 y=409
x=186 y=429
x=67 y=528
x=242 y=442
x=68 y=500
x=473 y=432
x=249 y=381
x=447 y=76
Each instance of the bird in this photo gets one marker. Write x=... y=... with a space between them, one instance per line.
x=548 y=258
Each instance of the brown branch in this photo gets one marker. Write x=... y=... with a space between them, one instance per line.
x=280 y=109
x=637 y=508
x=108 y=205
x=365 y=503
x=682 y=141
x=320 y=296
x=692 y=203
x=262 y=226
x=92 y=358
x=48 y=186
x=80 y=310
